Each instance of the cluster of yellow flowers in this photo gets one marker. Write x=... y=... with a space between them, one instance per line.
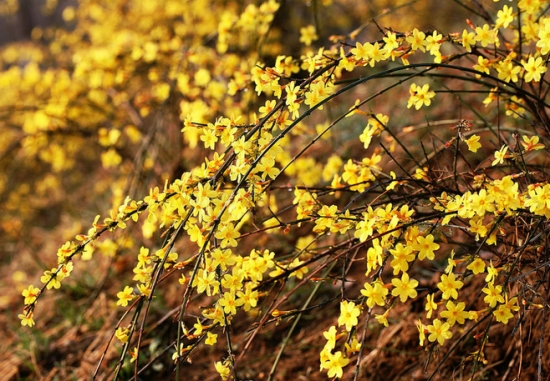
x=215 y=203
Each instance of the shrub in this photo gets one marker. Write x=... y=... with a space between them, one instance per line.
x=392 y=180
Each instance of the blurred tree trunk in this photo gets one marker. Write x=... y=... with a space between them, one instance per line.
x=19 y=26
x=25 y=19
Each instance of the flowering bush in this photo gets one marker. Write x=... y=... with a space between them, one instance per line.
x=281 y=185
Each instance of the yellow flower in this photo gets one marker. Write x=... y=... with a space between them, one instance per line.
x=483 y=66
x=503 y=314
x=31 y=294
x=348 y=314
x=473 y=143
x=125 y=296
x=209 y=138
x=500 y=155
x=534 y=68
x=494 y=295
x=292 y=93
x=544 y=35
x=439 y=331
x=374 y=255
x=390 y=42
x=144 y=289
x=531 y=144
x=229 y=303
x=51 y=279
x=122 y=334
x=504 y=17
x=476 y=226
x=450 y=286
x=228 y=234
x=143 y=257
x=485 y=35
x=402 y=256
x=110 y=158
x=468 y=39
x=451 y=263
x=492 y=272
x=507 y=71
x=383 y=319
x=334 y=364
x=431 y=306
x=421 y=331
x=404 y=287
x=366 y=136
x=177 y=354
x=267 y=168
x=308 y=34
x=417 y=40
x=477 y=266
x=360 y=52
x=433 y=43
x=267 y=108
x=420 y=96
x=455 y=313
x=375 y=294
x=365 y=228
x=211 y=338
x=26 y=318
x=133 y=354
x=222 y=370
x=426 y=247
x=142 y=273
x=330 y=335
x=375 y=53
x=353 y=347
x=198 y=327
